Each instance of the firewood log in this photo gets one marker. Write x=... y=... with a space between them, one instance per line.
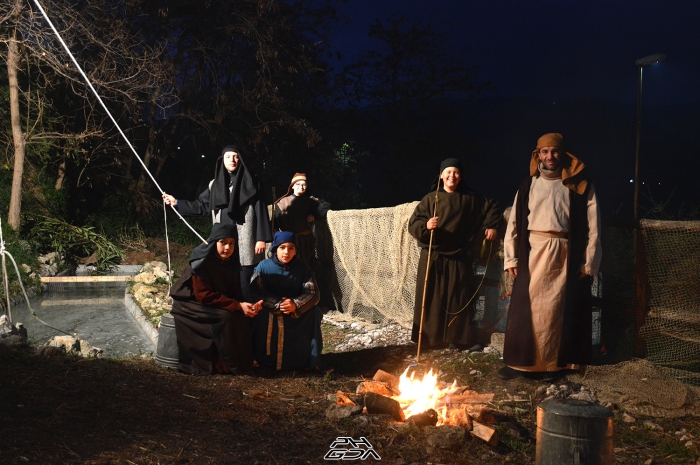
x=470 y=398
x=429 y=417
x=485 y=433
x=459 y=417
x=376 y=403
x=387 y=378
x=376 y=387
x=342 y=399
x=490 y=416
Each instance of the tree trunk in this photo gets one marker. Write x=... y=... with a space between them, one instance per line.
x=163 y=158
x=61 y=174
x=152 y=139
x=17 y=136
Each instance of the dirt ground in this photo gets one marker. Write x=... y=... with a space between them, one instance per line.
x=67 y=410
x=62 y=409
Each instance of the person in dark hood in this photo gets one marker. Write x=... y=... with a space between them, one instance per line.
x=463 y=218
x=234 y=197
x=212 y=322
x=287 y=331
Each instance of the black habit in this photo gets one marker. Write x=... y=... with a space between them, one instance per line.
x=463 y=217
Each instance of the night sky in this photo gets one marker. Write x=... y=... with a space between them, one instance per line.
x=573 y=64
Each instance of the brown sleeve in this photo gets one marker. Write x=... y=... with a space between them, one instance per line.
x=492 y=214
x=417 y=223
x=206 y=295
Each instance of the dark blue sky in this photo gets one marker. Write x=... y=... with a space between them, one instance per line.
x=576 y=61
x=556 y=49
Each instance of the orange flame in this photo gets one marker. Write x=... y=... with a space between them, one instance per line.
x=419 y=395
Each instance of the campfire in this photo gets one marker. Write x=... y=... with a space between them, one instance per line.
x=422 y=400
x=420 y=395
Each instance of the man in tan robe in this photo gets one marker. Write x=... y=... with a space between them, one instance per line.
x=552 y=249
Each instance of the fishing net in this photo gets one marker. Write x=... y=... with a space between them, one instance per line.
x=374 y=261
x=664 y=383
x=668 y=262
x=640 y=387
x=371 y=265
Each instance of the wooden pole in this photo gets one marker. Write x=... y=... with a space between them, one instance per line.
x=427 y=270
x=272 y=220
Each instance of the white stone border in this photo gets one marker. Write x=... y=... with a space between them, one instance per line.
x=133 y=309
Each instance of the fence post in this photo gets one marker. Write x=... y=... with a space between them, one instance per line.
x=641 y=308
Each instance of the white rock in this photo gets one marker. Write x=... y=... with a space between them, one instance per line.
x=48 y=270
x=689 y=444
x=585 y=396
x=49 y=258
x=336 y=412
x=87 y=350
x=69 y=343
x=444 y=437
x=27 y=269
x=151 y=267
x=361 y=420
x=5 y=326
x=651 y=425
x=148 y=278
x=143 y=291
x=628 y=418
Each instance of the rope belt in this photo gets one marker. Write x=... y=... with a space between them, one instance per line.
x=280 y=335
x=551 y=234
x=304 y=233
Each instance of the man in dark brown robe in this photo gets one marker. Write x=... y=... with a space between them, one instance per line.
x=462 y=220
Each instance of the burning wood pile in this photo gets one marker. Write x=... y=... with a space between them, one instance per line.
x=424 y=402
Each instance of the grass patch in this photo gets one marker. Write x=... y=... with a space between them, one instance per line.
x=514 y=443
x=332 y=336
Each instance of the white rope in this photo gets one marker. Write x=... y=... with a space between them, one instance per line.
x=5 y=280
x=19 y=279
x=167 y=247
x=99 y=99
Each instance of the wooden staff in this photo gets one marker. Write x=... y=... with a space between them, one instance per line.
x=272 y=221
x=427 y=270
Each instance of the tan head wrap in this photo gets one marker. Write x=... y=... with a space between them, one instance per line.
x=297 y=177
x=571 y=167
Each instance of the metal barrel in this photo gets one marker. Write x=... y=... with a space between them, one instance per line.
x=574 y=432
x=167 y=353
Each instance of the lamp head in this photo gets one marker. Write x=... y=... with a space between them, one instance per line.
x=651 y=59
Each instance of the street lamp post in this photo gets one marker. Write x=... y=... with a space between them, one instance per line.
x=641 y=63
x=640 y=279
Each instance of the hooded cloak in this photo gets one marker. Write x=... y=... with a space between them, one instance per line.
x=451 y=163
x=213 y=335
x=231 y=192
